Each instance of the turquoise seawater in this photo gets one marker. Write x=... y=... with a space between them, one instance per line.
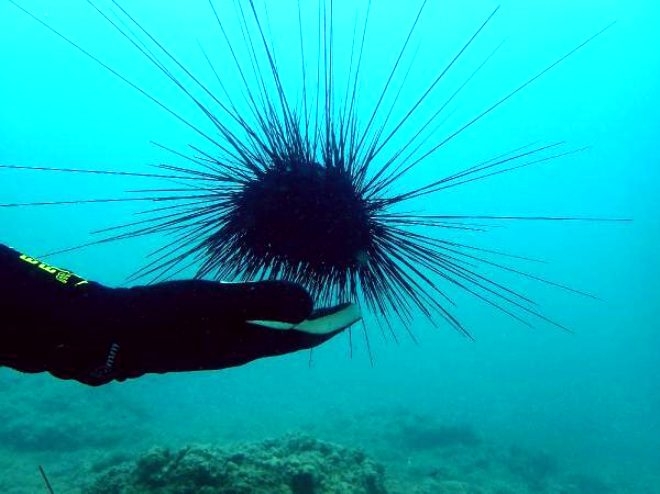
x=517 y=410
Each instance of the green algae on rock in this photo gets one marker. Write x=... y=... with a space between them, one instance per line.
x=290 y=465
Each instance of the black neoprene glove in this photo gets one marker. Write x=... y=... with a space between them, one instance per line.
x=52 y=320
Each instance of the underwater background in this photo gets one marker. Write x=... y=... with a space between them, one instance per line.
x=517 y=410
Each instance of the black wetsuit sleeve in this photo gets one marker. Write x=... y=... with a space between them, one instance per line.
x=47 y=315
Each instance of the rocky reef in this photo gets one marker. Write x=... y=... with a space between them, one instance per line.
x=295 y=464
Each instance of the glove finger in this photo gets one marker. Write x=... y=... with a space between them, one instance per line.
x=330 y=319
x=281 y=301
x=266 y=341
x=322 y=321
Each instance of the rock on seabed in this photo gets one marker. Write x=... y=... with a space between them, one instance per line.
x=295 y=464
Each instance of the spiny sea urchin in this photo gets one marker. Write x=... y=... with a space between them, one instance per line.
x=301 y=188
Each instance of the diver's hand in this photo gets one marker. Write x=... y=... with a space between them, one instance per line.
x=202 y=325
x=52 y=320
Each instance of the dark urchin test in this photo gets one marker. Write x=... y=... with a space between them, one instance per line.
x=300 y=219
x=304 y=191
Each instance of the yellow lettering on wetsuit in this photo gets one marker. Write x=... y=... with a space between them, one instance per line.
x=28 y=259
x=64 y=276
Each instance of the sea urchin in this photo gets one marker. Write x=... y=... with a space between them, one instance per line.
x=309 y=192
